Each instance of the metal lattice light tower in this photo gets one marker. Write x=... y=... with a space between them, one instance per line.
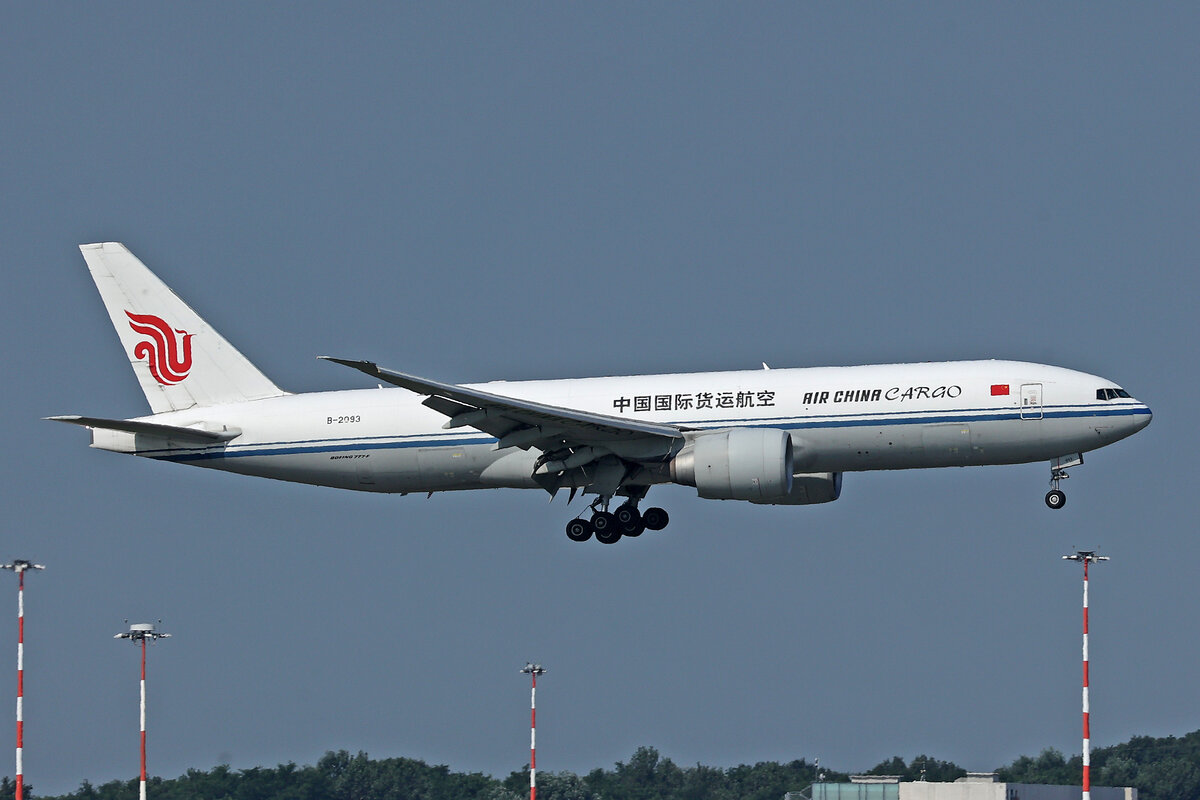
x=140 y=632
x=1087 y=557
x=533 y=670
x=19 y=566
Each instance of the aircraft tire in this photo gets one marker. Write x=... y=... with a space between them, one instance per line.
x=633 y=528
x=579 y=530
x=627 y=515
x=655 y=518
x=606 y=528
x=1056 y=498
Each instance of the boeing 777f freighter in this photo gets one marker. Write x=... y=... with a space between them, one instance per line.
x=772 y=436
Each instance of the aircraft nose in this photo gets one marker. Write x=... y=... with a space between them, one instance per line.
x=1142 y=419
x=1129 y=420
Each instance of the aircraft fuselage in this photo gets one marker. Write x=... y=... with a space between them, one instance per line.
x=840 y=419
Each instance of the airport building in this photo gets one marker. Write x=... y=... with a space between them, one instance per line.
x=975 y=786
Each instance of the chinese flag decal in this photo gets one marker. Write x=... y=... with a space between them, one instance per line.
x=999 y=389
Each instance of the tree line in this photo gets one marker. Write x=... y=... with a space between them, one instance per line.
x=1161 y=769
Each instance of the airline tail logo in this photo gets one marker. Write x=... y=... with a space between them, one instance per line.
x=168 y=350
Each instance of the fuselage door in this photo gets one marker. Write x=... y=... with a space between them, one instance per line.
x=1031 y=401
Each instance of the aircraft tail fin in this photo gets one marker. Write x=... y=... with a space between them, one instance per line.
x=179 y=359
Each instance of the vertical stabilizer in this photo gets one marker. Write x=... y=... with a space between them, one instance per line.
x=179 y=359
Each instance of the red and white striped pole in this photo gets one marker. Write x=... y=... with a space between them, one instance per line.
x=140 y=632
x=19 y=567
x=20 y=684
x=1087 y=557
x=142 y=784
x=534 y=670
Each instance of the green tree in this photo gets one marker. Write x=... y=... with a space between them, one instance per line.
x=1169 y=779
x=8 y=788
x=1049 y=767
x=1162 y=769
x=920 y=768
x=560 y=786
x=518 y=781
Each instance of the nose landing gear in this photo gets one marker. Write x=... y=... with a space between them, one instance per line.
x=1056 y=498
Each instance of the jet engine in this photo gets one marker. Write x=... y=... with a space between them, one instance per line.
x=814 y=487
x=752 y=464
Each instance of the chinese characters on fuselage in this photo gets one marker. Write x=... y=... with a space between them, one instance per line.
x=758 y=399
x=696 y=400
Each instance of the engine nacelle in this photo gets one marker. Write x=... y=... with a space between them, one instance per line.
x=816 y=487
x=752 y=464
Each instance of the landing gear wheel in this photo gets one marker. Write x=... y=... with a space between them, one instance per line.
x=1056 y=498
x=655 y=519
x=627 y=514
x=608 y=531
x=629 y=520
x=579 y=530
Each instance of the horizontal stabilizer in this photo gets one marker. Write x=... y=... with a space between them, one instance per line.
x=175 y=432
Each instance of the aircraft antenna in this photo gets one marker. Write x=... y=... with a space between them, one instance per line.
x=533 y=670
x=139 y=633
x=1086 y=557
x=19 y=566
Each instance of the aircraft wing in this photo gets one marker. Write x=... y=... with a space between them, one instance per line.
x=568 y=438
x=502 y=416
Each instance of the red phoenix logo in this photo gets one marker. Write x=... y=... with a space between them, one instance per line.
x=170 y=356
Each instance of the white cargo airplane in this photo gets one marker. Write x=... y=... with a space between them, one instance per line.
x=773 y=436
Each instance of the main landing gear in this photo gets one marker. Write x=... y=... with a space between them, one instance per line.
x=1056 y=498
x=609 y=527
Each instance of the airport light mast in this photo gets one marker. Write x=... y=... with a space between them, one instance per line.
x=19 y=566
x=139 y=632
x=1087 y=557
x=533 y=670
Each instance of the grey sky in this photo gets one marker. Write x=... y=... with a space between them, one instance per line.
x=498 y=191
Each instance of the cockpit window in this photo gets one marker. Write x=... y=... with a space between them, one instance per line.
x=1110 y=394
x=1122 y=393
x=1102 y=394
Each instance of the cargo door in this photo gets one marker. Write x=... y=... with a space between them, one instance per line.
x=441 y=467
x=946 y=445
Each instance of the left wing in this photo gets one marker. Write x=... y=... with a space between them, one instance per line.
x=569 y=439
